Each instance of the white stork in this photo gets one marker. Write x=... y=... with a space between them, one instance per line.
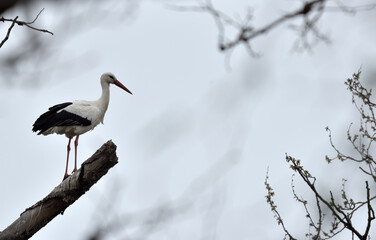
x=77 y=117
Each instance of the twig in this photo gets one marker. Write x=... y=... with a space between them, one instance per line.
x=352 y=10
x=269 y=199
x=28 y=24
x=8 y=33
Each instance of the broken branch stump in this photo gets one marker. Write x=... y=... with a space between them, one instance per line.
x=66 y=193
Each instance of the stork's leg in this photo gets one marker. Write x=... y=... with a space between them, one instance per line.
x=75 y=153
x=66 y=167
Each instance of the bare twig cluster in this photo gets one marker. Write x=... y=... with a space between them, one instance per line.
x=341 y=210
x=362 y=141
x=21 y=23
x=308 y=32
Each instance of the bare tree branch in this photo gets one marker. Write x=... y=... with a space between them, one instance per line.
x=342 y=214
x=247 y=32
x=310 y=12
x=371 y=213
x=66 y=193
x=8 y=33
x=22 y=23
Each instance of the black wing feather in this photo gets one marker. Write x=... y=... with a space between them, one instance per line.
x=55 y=116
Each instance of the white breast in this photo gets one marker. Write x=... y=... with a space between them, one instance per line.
x=86 y=109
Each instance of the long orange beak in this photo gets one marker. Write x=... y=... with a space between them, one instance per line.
x=120 y=85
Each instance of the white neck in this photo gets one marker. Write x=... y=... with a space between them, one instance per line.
x=104 y=100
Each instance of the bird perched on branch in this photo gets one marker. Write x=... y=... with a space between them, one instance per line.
x=77 y=117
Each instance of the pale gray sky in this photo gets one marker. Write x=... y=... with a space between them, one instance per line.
x=188 y=113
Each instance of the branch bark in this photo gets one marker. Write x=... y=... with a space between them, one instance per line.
x=66 y=193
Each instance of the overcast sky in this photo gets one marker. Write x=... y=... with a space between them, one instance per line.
x=195 y=130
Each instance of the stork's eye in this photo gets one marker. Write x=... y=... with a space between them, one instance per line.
x=112 y=77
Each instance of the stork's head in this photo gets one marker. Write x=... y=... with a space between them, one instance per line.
x=110 y=78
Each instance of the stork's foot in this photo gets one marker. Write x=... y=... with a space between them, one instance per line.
x=65 y=176
x=74 y=170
